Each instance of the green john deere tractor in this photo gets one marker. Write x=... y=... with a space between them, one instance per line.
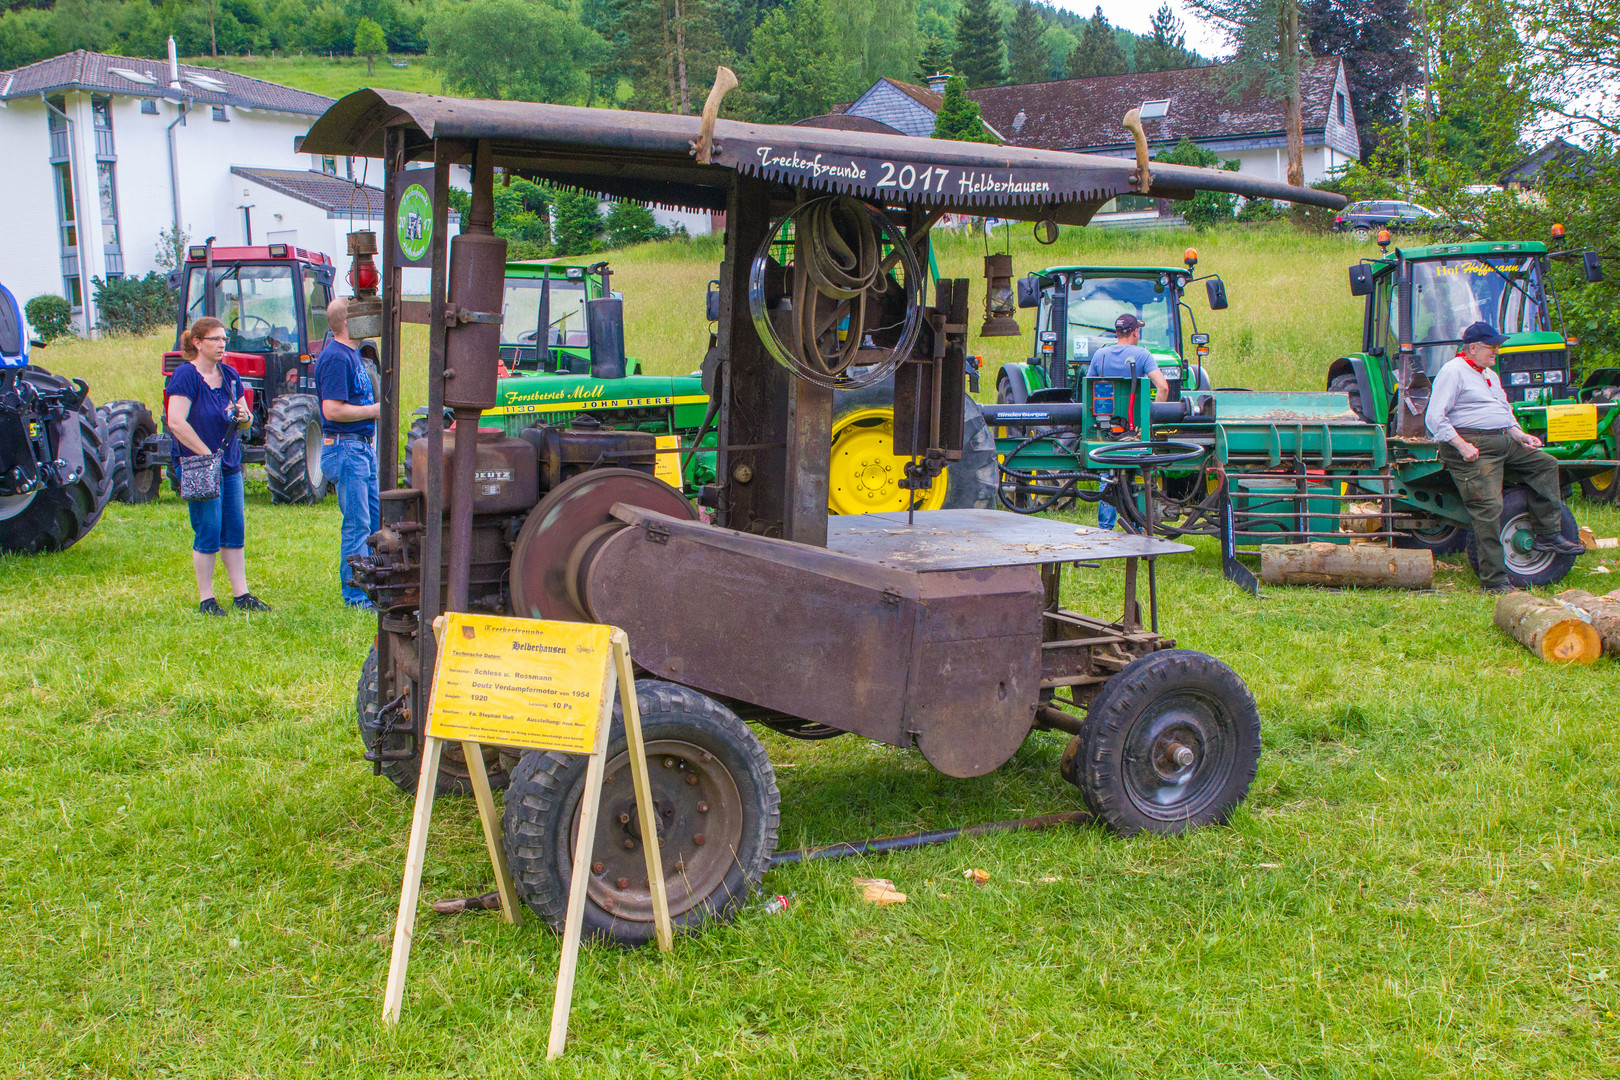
x=583 y=377
x=1418 y=302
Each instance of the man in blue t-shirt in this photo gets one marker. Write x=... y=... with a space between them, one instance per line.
x=348 y=456
x=1125 y=359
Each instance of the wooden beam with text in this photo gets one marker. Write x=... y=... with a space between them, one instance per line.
x=538 y=686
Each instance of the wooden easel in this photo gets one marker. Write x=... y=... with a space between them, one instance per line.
x=611 y=671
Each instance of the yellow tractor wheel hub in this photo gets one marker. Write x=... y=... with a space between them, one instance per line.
x=865 y=472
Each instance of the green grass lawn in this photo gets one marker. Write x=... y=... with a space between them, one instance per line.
x=199 y=873
x=333 y=77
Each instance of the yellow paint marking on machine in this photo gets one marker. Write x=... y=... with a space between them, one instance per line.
x=667 y=464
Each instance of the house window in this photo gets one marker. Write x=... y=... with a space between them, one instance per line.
x=107 y=191
x=1154 y=109
x=101 y=112
x=149 y=106
x=219 y=114
x=64 y=205
x=1341 y=107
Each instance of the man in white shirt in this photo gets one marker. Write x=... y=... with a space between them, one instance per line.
x=1481 y=442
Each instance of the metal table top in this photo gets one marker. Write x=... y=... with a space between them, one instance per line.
x=974 y=539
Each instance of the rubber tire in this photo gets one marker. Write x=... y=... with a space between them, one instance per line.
x=1362 y=233
x=1593 y=493
x=130 y=423
x=539 y=812
x=969 y=483
x=418 y=430
x=286 y=464
x=1351 y=386
x=1447 y=543
x=58 y=517
x=1516 y=503
x=453 y=776
x=1094 y=758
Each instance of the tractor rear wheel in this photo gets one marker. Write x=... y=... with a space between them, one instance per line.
x=129 y=424
x=55 y=518
x=292 y=450
x=454 y=778
x=864 y=474
x=1439 y=536
x=717 y=804
x=1527 y=567
x=1348 y=385
x=1171 y=742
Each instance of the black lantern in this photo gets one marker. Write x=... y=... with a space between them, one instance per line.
x=1000 y=305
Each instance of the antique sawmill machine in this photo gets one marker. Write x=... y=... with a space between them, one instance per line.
x=941 y=631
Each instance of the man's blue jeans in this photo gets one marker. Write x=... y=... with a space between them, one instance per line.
x=1106 y=514
x=351 y=465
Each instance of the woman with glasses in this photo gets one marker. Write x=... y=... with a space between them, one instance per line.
x=206 y=406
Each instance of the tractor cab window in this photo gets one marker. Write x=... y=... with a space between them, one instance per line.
x=1449 y=295
x=521 y=313
x=1095 y=303
x=316 y=297
x=256 y=304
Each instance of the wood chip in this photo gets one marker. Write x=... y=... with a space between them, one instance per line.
x=978 y=877
x=879 y=891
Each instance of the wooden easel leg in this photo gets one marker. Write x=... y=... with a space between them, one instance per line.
x=410 y=887
x=510 y=910
x=590 y=805
x=644 y=803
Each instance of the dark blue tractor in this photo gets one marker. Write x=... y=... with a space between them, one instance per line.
x=55 y=459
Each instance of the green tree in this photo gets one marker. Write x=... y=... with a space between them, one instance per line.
x=958 y=117
x=1026 y=55
x=666 y=48
x=520 y=50
x=979 y=54
x=369 y=42
x=578 y=223
x=934 y=59
x=1270 y=50
x=1166 y=46
x=24 y=38
x=794 y=69
x=1058 y=43
x=630 y=222
x=1098 y=52
x=1207 y=207
x=876 y=38
x=1574 y=54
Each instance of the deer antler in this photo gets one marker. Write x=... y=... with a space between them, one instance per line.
x=1133 y=120
x=724 y=81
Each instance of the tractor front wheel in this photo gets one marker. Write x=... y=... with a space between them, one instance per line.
x=865 y=473
x=129 y=424
x=54 y=518
x=1527 y=567
x=292 y=450
x=1437 y=536
x=715 y=795
x=1171 y=742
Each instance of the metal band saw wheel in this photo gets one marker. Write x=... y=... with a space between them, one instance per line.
x=833 y=284
x=554 y=545
x=717 y=804
x=1171 y=742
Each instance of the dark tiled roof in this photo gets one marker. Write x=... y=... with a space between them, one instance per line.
x=331 y=193
x=81 y=70
x=843 y=122
x=1071 y=114
x=1560 y=156
x=920 y=94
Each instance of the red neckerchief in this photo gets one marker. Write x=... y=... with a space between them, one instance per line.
x=1469 y=360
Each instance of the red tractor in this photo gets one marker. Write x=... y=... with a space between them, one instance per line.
x=272 y=300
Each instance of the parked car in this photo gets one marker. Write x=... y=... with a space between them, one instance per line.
x=1364 y=219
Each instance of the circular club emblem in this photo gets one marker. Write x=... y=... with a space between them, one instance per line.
x=414 y=225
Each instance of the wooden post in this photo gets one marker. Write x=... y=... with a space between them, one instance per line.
x=1553 y=632
x=1360 y=565
x=405 y=921
x=1605 y=613
x=643 y=786
x=491 y=821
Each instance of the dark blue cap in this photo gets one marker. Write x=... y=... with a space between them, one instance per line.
x=1482 y=333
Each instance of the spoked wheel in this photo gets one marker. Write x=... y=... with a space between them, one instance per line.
x=1438 y=536
x=717 y=803
x=1171 y=742
x=1527 y=567
x=454 y=776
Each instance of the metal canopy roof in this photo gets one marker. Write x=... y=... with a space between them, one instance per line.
x=649 y=156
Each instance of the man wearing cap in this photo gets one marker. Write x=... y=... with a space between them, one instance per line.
x=1125 y=359
x=1481 y=441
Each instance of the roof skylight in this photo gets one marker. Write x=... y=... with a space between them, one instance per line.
x=133 y=76
x=1153 y=109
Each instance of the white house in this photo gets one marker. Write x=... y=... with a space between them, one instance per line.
x=107 y=152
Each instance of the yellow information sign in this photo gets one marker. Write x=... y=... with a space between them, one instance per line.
x=520 y=682
x=1571 y=423
x=667 y=467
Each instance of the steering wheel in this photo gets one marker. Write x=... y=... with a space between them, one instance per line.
x=1137 y=454
x=268 y=329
